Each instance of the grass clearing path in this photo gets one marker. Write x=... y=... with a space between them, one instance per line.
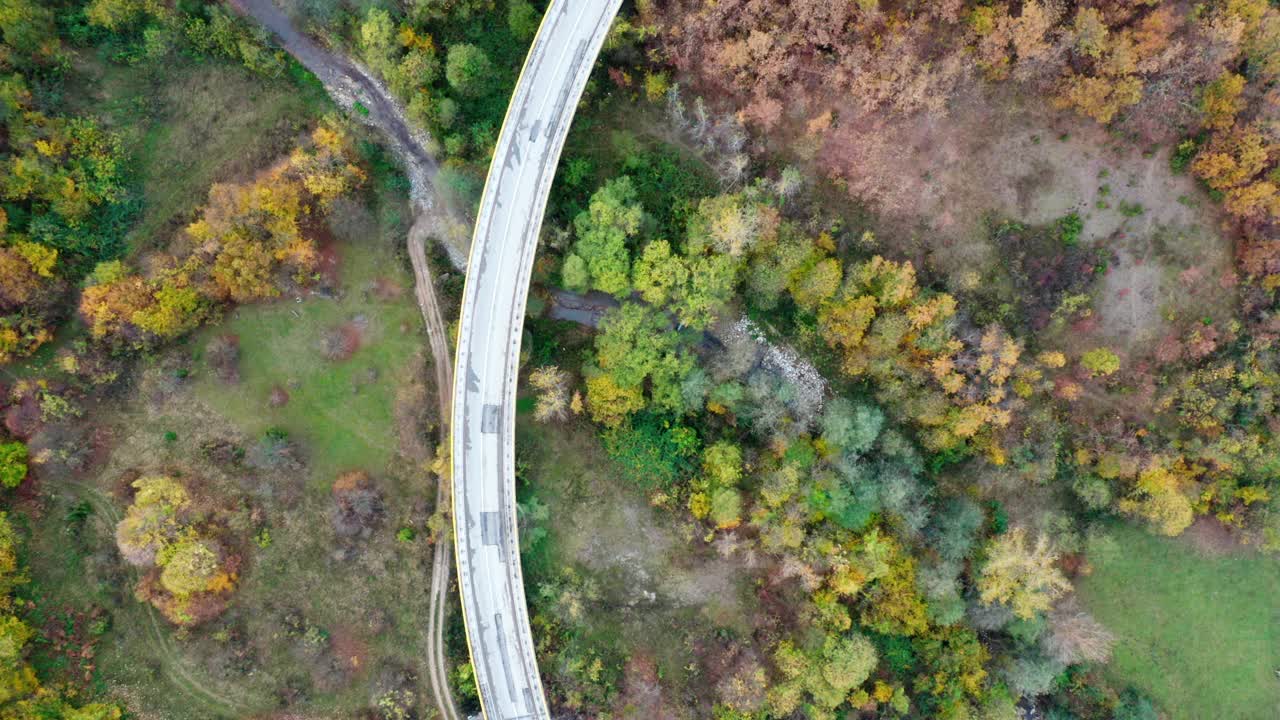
x=347 y=83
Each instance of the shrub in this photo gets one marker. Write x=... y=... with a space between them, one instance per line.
x=652 y=452
x=358 y=505
x=1134 y=706
x=1069 y=228
x=275 y=452
x=1129 y=209
x=13 y=464
x=1182 y=155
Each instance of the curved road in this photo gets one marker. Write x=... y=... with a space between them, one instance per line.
x=488 y=360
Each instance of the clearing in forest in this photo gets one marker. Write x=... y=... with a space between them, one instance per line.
x=659 y=593
x=1197 y=632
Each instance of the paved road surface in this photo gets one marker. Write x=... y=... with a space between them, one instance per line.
x=502 y=252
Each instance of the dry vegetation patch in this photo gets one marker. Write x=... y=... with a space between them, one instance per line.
x=666 y=600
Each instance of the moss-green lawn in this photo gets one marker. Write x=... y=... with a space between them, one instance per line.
x=1200 y=634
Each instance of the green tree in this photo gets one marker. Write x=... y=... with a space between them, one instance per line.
x=417 y=69
x=722 y=464
x=631 y=342
x=522 y=19
x=574 y=274
x=612 y=217
x=721 y=471
x=658 y=273
x=953 y=662
x=13 y=463
x=956 y=528
x=116 y=14
x=712 y=280
x=10 y=574
x=726 y=508
x=17 y=679
x=378 y=41
x=1100 y=361
x=468 y=70
x=850 y=428
x=847 y=662
x=828 y=673
x=28 y=26
x=816 y=284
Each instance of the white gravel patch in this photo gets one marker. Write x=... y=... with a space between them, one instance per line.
x=810 y=386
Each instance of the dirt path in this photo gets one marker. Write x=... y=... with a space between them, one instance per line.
x=424 y=289
x=349 y=83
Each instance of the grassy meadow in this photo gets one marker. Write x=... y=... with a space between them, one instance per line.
x=1199 y=633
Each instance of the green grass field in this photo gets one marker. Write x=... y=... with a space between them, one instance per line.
x=215 y=123
x=342 y=412
x=1199 y=634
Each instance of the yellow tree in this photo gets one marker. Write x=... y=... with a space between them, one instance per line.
x=1233 y=158
x=1100 y=97
x=552 y=385
x=1159 y=497
x=609 y=403
x=1028 y=31
x=1221 y=100
x=1024 y=576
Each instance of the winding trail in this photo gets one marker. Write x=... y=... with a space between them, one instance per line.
x=348 y=83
